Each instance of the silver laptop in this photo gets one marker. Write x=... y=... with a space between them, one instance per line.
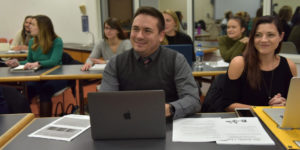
x=288 y=117
x=127 y=114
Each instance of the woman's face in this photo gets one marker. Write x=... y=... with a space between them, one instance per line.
x=234 y=29
x=34 y=29
x=267 y=38
x=110 y=32
x=27 y=24
x=170 y=24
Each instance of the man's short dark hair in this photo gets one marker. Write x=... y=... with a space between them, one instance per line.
x=154 y=13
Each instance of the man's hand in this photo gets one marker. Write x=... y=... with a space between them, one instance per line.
x=168 y=110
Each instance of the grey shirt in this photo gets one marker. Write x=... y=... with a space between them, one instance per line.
x=102 y=49
x=188 y=102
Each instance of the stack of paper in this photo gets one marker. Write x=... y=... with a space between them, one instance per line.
x=220 y=63
x=98 y=67
x=20 y=68
x=242 y=131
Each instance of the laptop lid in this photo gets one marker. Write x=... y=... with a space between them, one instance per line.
x=288 y=117
x=127 y=114
x=291 y=117
x=185 y=49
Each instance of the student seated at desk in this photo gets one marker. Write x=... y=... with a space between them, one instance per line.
x=22 y=38
x=45 y=50
x=260 y=77
x=173 y=35
x=149 y=66
x=234 y=43
x=114 y=43
x=12 y=101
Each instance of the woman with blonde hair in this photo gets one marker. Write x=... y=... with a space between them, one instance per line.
x=44 y=50
x=172 y=33
x=22 y=38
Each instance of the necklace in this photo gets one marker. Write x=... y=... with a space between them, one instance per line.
x=269 y=89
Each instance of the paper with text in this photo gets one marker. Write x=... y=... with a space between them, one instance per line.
x=65 y=128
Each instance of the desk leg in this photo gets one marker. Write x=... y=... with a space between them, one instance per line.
x=81 y=98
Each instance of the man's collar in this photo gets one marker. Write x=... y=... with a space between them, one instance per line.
x=152 y=56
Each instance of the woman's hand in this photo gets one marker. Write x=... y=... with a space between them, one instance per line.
x=12 y=63
x=244 y=40
x=86 y=67
x=277 y=100
x=31 y=65
x=20 y=47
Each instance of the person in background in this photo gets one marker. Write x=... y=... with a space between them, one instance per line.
x=172 y=33
x=45 y=50
x=114 y=43
x=260 y=77
x=248 y=21
x=295 y=33
x=179 y=16
x=285 y=15
x=234 y=43
x=227 y=16
x=149 y=66
x=20 y=42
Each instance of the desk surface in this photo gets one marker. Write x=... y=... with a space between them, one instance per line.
x=11 y=124
x=84 y=141
x=71 y=72
x=7 y=76
x=5 y=54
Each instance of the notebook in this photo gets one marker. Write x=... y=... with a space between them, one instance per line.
x=127 y=114
x=288 y=117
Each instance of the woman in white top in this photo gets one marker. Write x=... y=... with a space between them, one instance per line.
x=22 y=38
x=113 y=43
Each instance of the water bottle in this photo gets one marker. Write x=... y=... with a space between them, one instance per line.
x=199 y=29
x=199 y=57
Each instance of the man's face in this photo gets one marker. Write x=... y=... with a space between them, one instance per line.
x=145 y=36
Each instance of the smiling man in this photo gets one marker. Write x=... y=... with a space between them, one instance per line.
x=148 y=66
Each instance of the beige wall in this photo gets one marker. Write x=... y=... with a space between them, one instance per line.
x=174 y=5
x=201 y=8
x=293 y=3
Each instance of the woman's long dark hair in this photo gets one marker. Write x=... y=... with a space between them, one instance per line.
x=23 y=32
x=115 y=24
x=251 y=55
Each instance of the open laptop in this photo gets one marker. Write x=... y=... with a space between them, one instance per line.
x=185 y=49
x=288 y=117
x=127 y=114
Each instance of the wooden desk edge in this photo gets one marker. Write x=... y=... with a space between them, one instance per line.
x=14 y=130
x=71 y=77
x=207 y=73
x=20 y=78
x=13 y=55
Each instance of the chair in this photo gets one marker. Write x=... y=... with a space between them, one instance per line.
x=187 y=50
x=3 y=40
x=288 y=48
x=66 y=60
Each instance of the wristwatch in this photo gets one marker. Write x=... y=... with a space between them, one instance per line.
x=172 y=110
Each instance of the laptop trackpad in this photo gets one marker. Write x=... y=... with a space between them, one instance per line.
x=276 y=114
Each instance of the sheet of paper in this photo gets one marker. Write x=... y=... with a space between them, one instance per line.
x=220 y=63
x=244 y=131
x=98 y=67
x=196 y=130
x=65 y=128
x=17 y=51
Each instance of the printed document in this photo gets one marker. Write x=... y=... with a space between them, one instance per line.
x=98 y=67
x=65 y=128
x=196 y=130
x=244 y=131
x=240 y=131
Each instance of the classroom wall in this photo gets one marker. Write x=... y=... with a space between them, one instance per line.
x=293 y=3
x=174 y=5
x=65 y=15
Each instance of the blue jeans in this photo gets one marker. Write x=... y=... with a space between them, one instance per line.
x=45 y=89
